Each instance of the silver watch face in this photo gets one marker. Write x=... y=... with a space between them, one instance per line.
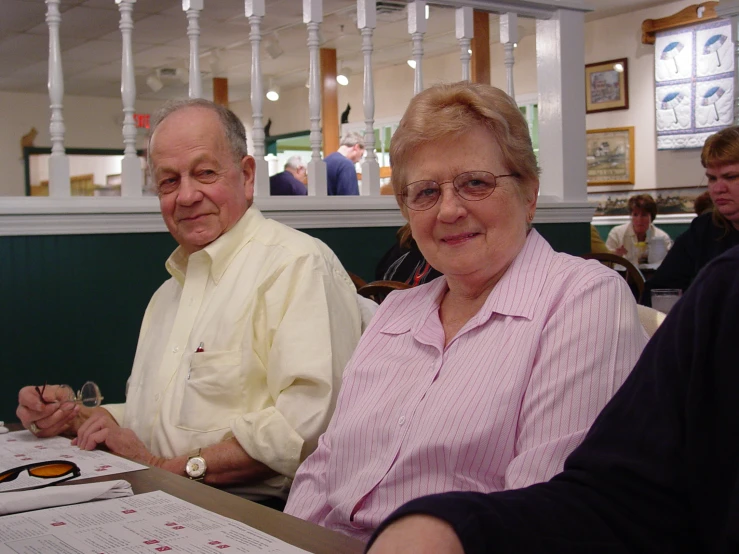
x=195 y=467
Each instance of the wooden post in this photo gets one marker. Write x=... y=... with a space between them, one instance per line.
x=220 y=91
x=481 y=48
x=330 y=101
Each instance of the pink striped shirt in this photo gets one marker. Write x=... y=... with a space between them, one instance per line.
x=500 y=407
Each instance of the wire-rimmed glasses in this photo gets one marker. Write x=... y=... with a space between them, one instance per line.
x=89 y=395
x=471 y=185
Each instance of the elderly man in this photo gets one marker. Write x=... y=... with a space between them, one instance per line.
x=240 y=354
x=291 y=181
x=340 y=172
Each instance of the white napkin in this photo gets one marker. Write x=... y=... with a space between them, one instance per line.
x=60 y=495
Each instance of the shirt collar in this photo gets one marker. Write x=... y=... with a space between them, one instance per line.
x=221 y=251
x=516 y=294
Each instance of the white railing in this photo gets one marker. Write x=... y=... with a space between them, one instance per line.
x=560 y=61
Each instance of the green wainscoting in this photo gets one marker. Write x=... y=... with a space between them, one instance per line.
x=72 y=305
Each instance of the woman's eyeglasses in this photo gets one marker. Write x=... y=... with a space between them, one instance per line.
x=472 y=185
x=89 y=395
x=53 y=469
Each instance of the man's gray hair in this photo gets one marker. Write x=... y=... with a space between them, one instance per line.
x=232 y=126
x=294 y=162
x=352 y=139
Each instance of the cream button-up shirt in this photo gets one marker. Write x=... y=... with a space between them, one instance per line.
x=278 y=319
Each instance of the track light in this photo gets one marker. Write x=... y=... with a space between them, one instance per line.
x=154 y=82
x=273 y=92
x=412 y=64
x=343 y=77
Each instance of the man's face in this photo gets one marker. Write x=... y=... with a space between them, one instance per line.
x=356 y=153
x=202 y=190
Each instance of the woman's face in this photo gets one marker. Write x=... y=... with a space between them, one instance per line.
x=471 y=242
x=640 y=221
x=723 y=187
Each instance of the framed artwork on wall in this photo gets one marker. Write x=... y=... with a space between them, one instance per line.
x=607 y=86
x=610 y=156
x=670 y=201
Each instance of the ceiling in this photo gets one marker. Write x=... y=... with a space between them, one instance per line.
x=91 y=42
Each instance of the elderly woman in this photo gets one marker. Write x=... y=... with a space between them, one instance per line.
x=626 y=240
x=488 y=377
x=712 y=233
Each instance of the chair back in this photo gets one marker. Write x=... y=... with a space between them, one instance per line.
x=357 y=280
x=633 y=276
x=378 y=290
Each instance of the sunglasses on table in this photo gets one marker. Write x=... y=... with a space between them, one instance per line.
x=53 y=469
x=89 y=395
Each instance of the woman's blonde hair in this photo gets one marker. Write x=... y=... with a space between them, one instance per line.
x=721 y=148
x=445 y=110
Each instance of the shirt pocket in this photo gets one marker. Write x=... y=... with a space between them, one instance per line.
x=213 y=391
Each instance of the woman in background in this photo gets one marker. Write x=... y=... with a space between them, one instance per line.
x=630 y=240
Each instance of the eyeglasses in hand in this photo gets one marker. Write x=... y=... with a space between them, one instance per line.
x=89 y=395
x=472 y=185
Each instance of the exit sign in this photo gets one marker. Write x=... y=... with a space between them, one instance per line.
x=142 y=120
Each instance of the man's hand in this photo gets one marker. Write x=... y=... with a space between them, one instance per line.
x=51 y=418
x=417 y=534
x=101 y=428
x=95 y=429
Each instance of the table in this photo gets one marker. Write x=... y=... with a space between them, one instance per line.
x=302 y=534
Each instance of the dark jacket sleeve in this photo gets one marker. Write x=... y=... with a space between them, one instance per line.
x=657 y=471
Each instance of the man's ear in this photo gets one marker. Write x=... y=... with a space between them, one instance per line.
x=248 y=170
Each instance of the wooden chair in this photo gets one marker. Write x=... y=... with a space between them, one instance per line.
x=378 y=290
x=357 y=280
x=633 y=276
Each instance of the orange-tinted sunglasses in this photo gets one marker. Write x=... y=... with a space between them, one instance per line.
x=43 y=470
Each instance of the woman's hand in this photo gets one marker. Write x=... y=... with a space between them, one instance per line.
x=620 y=251
x=49 y=417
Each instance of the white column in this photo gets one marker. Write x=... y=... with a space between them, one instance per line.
x=464 y=32
x=131 y=172
x=192 y=8
x=59 y=184
x=729 y=9
x=417 y=28
x=366 y=23
x=255 y=12
x=509 y=38
x=560 y=61
x=312 y=17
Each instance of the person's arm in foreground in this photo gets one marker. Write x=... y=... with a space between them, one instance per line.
x=656 y=447
x=677 y=270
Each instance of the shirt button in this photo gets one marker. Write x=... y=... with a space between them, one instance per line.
x=401 y=421
x=175 y=349
x=156 y=397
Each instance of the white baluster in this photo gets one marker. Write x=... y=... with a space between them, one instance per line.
x=417 y=28
x=509 y=38
x=192 y=8
x=366 y=23
x=59 y=184
x=464 y=33
x=255 y=12
x=131 y=172
x=312 y=17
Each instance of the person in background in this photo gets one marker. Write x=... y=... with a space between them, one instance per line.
x=658 y=471
x=702 y=203
x=596 y=243
x=340 y=171
x=241 y=351
x=404 y=262
x=291 y=181
x=630 y=239
x=712 y=233
x=487 y=377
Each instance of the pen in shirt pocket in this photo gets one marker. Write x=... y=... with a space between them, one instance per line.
x=197 y=350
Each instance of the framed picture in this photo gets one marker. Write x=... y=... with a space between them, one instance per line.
x=677 y=200
x=610 y=156
x=607 y=86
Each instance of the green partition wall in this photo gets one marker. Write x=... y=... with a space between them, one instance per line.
x=71 y=305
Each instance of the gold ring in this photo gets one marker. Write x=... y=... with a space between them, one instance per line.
x=33 y=428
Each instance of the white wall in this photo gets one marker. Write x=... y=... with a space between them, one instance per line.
x=90 y=123
x=620 y=37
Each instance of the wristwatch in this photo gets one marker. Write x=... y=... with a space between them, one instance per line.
x=196 y=466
